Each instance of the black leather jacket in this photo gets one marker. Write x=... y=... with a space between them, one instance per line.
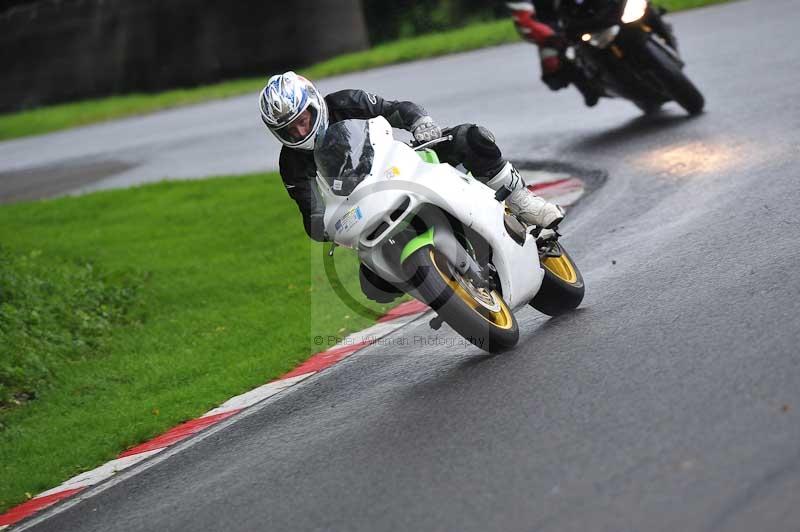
x=298 y=169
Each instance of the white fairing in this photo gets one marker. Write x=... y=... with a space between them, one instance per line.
x=399 y=175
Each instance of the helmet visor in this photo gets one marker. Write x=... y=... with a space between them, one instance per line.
x=299 y=129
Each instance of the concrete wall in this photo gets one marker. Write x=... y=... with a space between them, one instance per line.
x=60 y=50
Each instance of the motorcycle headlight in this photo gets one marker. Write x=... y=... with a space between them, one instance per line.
x=634 y=10
x=601 y=39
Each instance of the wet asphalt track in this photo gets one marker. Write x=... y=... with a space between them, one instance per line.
x=669 y=401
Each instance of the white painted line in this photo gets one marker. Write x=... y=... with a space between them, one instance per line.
x=256 y=395
x=90 y=478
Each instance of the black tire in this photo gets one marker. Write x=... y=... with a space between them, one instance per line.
x=494 y=332
x=675 y=81
x=649 y=107
x=562 y=287
x=375 y=287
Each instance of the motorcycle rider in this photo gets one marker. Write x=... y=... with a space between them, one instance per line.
x=298 y=115
x=537 y=22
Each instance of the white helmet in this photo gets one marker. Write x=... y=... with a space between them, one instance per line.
x=282 y=101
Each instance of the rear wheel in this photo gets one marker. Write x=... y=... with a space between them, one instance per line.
x=478 y=314
x=562 y=287
x=675 y=81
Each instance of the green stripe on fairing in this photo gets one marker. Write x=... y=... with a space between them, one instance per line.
x=418 y=242
x=426 y=238
x=429 y=156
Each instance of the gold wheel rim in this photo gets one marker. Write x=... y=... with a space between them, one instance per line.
x=561 y=267
x=502 y=318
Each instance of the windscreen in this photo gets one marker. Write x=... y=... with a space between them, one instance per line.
x=345 y=155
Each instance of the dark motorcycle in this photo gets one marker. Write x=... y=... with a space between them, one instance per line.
x=624 y=49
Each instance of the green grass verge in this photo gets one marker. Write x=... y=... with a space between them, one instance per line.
x=52 y=313
x=209 y=288
x=479 y=35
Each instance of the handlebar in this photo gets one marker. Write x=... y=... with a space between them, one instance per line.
x=413 y=144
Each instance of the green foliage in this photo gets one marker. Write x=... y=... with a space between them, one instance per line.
x=53 y=311
x=389 y=21
x=472 y=37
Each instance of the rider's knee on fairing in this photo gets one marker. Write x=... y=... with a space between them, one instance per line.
x=475 y=147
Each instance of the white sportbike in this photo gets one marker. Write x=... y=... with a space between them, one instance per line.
x=439 y=234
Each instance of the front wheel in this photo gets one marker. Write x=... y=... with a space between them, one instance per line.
x=675 y=81
x=562 y=287
x=479 y=315
x=648 y=107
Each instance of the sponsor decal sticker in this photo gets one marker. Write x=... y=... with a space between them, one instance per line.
x=351 y=218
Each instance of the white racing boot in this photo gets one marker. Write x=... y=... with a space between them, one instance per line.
x=524 y=204
x=534 y=210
